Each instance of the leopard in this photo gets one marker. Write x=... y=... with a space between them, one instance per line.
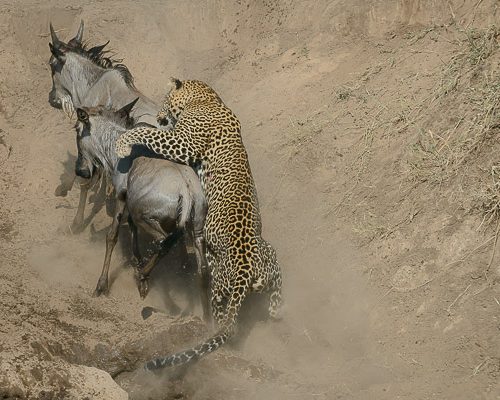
x=207 y=136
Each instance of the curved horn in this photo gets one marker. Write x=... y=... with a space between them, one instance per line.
x=55 y=40
x=79 y=35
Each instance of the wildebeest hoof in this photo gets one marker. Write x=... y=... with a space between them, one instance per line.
x=143 y=286
x=102 y=288
x=76 y=228
x=147 y=312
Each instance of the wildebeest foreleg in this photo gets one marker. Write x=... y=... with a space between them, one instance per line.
x=85 y=184
x=111 y=238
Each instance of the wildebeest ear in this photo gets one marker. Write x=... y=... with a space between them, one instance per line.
x=57 y=52
x=124 y=112
x=176 y=83
x=82 y=115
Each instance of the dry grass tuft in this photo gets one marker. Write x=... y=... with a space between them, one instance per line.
x=466 y=101
x=456 y=147
x=488 y=199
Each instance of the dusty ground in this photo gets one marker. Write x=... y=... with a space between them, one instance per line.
x=356 y=116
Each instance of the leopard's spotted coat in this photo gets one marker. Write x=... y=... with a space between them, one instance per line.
x=208 y=134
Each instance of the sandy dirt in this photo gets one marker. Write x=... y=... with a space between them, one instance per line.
x=390 y=287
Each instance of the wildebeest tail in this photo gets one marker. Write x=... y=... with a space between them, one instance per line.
x=184 y=208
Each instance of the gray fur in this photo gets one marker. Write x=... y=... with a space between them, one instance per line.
x=154 y=188
x=88 y=84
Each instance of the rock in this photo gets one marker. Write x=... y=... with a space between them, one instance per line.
x=92 y=383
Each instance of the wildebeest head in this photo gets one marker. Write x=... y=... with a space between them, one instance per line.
x=96 y=132
x=69 y=74
x=59 y=49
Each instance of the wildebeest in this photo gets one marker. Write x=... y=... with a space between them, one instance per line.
x=160 y=198
x=85 y=76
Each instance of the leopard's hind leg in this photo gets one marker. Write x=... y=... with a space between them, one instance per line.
x=275 y=300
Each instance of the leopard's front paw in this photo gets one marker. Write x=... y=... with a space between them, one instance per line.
x=122 y=148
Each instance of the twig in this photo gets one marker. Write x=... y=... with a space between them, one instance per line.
x=445 y=141
x=474 y=13
x=421 y=35
x=385 y=294
x=408 y=219
x=409 y=361
x=458 y=297
x=307 y=335
x=472 y=251
x=44 y=35
x=477 y=368
x=481 y=290
x=451 y=10
x=426 y=283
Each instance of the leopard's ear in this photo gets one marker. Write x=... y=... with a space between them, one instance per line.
x=176 y=83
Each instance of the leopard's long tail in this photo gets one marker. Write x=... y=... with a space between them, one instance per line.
x=208 y=346
x=192 y=354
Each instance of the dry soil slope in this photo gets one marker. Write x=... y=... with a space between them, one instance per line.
x=314 y=84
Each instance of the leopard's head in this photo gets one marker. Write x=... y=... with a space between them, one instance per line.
x=181 y=93
x=173 y=104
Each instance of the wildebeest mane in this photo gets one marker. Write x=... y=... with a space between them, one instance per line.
x=103 y=58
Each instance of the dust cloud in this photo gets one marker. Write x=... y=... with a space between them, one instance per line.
x=293 y=72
